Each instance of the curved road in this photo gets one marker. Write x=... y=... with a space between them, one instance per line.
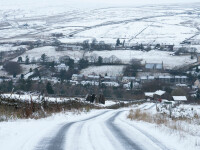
x=106 y=131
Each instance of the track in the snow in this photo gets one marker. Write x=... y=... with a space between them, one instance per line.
x=57 y=142
x=112 y=132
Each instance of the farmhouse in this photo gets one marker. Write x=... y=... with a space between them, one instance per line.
x=180 y=99
x=154 y=66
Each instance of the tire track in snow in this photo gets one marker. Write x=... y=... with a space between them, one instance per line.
x=127 y=143
x=58 y=141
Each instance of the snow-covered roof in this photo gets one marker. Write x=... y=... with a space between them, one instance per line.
x=151 y=77
x=181 y=77
x=128 y=78
x=159 y=92
x=143 y=78
x=180 y=98
x=94 y=77
x=149 y=94
x=164 y=77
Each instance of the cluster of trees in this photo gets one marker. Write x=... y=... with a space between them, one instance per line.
x=95 y=45
x=43 y=59
x=119 y=43
x=13 y=68
x=133 y=68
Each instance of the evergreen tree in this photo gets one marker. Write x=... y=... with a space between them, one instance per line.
x=123 y=43
x=43 y=58
x=100 y=60
x=197 y=69
x=19 y=59
x=118 y=42
x=22 y=76
x=63 y=75
x=131 y=86
x=83 y=63
x=27 y=61
x=49 y=88
x=70 y=63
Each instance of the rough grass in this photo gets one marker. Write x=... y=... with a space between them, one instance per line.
x=11 y=109
x=178 y=124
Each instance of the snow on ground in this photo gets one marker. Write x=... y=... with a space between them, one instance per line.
x=26 y=68
x=107 y=19
x=102 y=70
x=187 y=133
x=168 y=60
x=37 y=98
x=9 y=47
x=25 y=134
x=52 y=54
x=34 y=134
x=125 y=55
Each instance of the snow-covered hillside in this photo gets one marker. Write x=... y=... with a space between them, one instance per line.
x=30 y=20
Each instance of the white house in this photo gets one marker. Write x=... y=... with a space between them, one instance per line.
x=128 y=79
x=112 y=84
x=180 y=98
x=77 y=77
x=62 y=67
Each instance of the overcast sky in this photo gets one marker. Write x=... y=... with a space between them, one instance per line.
x=86 y=3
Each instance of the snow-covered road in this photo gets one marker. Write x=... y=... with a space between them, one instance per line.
x=108 y=130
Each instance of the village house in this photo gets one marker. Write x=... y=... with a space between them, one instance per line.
x=94 y=83
x=154 y=95
x=165 y=79
x=179 y=99
x=180 y=79
x=154 y=66
x=73 y=82
x=145 y=79
x=111 y=84
x=127 y=79
x=62 y=67
x=110 y=78
x=92 y=78
x=69 y=47
x=128 y=85
x=77 y=77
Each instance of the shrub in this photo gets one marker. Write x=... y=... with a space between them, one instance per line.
x=12 y=68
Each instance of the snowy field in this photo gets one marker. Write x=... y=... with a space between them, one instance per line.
x=153 y=56
x=102 y=70
x=168 y=60
x=52 y=54
x=131 y=20
x=167 y=21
